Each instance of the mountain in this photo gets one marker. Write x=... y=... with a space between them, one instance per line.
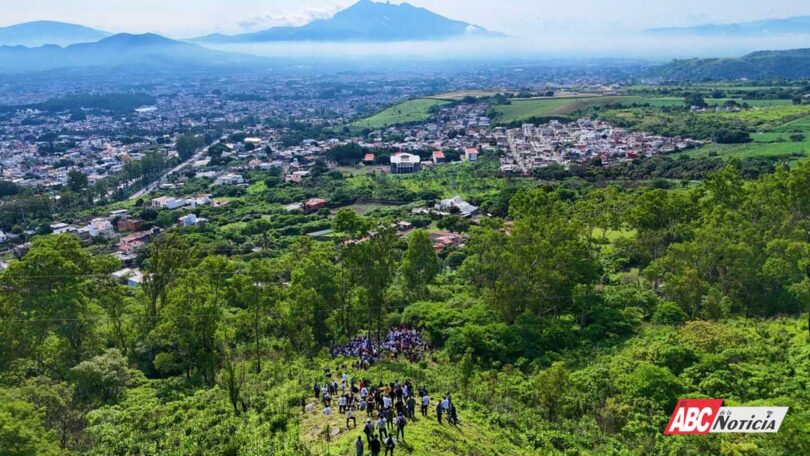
x=122 y=50
x=797 y=25
x=365 y=21
x=40 y=33
x=791 y=64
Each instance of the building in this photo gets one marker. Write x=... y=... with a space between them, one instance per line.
x=438 y=157
x=314 y=204
x=129 y=224
x=229 y=179
x=402 y=163
x=471 y=154
x=464 y=208
x=168 y=202
x=190 y=220
x=369 y=159
x=100 y=227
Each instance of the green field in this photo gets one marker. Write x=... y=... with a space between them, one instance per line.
x=417 y=110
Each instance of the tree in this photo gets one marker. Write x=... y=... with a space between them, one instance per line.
x=169 y=255
x=695 y=99
x=22 y=432
x=347 y=221
x=187 y=145
x=77 y=181
x=101 y=378
x=419 y=264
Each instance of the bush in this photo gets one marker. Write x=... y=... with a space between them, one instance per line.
x=669 y=313
x=101 y=378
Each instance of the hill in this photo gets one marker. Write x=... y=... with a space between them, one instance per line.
x=765 y=27
x=122 y=50
x=790 y=64
x=40 y=33
x=365 y=21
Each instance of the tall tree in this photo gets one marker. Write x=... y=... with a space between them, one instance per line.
x=419 y=264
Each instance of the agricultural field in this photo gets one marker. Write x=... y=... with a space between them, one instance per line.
x=461 y=94
x=417 y=110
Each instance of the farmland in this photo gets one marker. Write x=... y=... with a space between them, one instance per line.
x=417 y=110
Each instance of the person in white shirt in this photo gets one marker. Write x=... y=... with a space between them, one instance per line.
x=342 y=404
x=327 y=410
x=387 y=402
x=425 y=404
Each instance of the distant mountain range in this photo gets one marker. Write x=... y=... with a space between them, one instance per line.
x=40 y=33
x=791 y=64
x=798 y=25
x=123 y=50
x=365 y=21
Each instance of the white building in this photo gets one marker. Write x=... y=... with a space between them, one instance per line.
x=100 y=227
x=168 y=202
x=465 y=209
x=402 y=163
x=229 y=179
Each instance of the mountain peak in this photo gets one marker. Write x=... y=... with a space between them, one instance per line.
x=39 y=33
x=365 y=21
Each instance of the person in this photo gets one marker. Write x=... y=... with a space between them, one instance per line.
x=453 y=417
x=401 y=422
x=359 y=446
x=439 y=410
x=411 y=407
x=317 y=390
x=381 y=427
x=389 y=445
x=370 y=406
x=446 y=403
x=327 y=410
x=386 y=402
x=368 y=429
x=389 y=417
x=350 y=416
x=425 y=404
x=374 y=446
x=342 y=404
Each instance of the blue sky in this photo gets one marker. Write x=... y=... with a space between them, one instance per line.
x=183 y=18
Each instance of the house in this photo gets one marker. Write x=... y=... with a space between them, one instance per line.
x=464 y=208
x=404 y=226
x=444 y=239
x=129 y=224
x=229 y=179
x=471 y=154
x=402 y=163
x=100 y=227
x=294 y=207
x=62 y=228
x=132 y=277
x=168 y=202
x=314 y=204
x=438 y=157
x=369 y=159
x=136 y=241
x=190 y=220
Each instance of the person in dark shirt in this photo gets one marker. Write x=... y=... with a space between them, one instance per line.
x=390 y=445
x=375 y=446
x=439 y=410
x=359 y=446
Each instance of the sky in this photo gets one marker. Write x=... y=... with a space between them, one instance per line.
x=526 y=18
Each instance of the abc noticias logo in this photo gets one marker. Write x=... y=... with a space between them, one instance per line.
x=707 y=416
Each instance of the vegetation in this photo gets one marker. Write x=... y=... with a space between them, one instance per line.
x=411 y=111
x=570 y=322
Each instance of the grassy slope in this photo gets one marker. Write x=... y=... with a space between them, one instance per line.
x=423 y=436
x=417 y=110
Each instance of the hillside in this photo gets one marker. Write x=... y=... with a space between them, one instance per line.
x=761 y=28
x=122 y=50
x=364 y=21
x=40 y=33
x=790 y=64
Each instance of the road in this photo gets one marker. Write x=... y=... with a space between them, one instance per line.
x=151 y=187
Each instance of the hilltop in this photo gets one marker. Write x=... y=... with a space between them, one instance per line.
x=790 y=64
x=365 y=21
x=40 y=33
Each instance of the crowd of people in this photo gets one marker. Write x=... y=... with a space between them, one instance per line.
x=388 y=409
x=401 y=341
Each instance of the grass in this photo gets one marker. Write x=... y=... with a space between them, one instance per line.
x=417 y=110
x=461 y=94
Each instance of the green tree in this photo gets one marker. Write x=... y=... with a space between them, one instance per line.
x=419 y=264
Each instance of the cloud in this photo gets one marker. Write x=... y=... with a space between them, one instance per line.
x=290 y=18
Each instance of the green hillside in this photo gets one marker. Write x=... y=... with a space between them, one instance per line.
x=410 y=111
